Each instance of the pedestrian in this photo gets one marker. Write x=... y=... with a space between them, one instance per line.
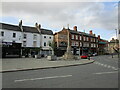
x=89 y=56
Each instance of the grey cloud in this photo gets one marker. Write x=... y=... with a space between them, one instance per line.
x=55 y=14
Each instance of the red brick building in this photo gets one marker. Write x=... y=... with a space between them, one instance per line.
x=80 y=42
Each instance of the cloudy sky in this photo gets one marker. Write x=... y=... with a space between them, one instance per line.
x=101 y=17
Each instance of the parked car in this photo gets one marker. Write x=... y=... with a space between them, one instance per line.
x=84 y=56
x=95 y=54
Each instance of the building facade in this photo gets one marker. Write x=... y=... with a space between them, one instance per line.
x=112 y=47
x=25 y=40
x=102 y=46
x=80 y=42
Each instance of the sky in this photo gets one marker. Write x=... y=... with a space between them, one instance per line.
x=101 y=17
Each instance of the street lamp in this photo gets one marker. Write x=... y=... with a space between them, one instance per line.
x=116 y=42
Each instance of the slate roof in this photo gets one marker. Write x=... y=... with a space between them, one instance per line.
x=74 y=32
x=77 y=32
x=30 y=29
x=25 y=29
x=9 y=27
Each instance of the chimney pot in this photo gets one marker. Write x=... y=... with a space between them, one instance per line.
x=75 y=28
x=90 y=32
x=98 y=37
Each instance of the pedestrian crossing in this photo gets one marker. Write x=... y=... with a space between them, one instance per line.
x=106 y=66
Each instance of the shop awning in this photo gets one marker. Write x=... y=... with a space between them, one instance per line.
x=102 y=42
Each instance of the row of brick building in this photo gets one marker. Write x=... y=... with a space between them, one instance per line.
x=80 y=42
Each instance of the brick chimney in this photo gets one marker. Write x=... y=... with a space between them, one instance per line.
x=98 y=37
x=20 y=25
x=90 y=32
x=113 y=39
x=75 y=28
x=38 y=27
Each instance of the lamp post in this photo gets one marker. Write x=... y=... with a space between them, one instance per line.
x=116 y=42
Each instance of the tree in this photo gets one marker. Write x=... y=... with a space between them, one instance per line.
x=53 y=46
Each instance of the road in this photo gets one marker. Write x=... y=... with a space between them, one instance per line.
x=103 y=73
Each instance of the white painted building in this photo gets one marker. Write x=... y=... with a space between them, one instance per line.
x=10 y=36
x=31 y=39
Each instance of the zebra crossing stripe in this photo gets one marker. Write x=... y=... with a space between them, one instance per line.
x=108 y=66
x=105 y=65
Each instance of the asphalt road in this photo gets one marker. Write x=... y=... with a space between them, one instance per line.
x=103 y=73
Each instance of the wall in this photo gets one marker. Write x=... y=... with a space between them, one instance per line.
x=30 y=39
x=8 y=36
x=47 y=40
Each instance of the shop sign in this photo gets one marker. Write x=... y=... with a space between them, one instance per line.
x=6 y=43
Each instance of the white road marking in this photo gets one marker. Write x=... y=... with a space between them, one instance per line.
x=102 y=64
x=113 y=68
x=108 y=66
x=106 y=72
x=22 y=80
x=105 y=65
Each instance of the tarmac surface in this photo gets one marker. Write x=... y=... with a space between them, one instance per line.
x=22 y=64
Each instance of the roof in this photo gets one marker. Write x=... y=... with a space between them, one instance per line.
x=74 y=32
x=83 y=33
x=114 y=41
x=30 y=29
x=46 y=31
x=9 y=27
x=25 y=29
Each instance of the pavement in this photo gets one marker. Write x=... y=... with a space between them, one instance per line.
x=23 y=64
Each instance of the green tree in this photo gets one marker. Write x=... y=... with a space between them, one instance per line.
x=53 y=46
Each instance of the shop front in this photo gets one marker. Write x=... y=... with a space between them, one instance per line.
x=11 y=49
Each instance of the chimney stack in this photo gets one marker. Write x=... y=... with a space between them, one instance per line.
x=90 y=32
x=38 y=26
x=98 y=37
x=20 y=25
x=113 y=39
x=75 y=28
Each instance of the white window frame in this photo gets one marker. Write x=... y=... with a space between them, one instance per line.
x=35 y=37
x=84 y=38
x=72 y=36
x=24 y=43
x=80 y=37
x=2 y=33
x=77 y=43
x=24 y=36
x=76 y=37
x=34 y=43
